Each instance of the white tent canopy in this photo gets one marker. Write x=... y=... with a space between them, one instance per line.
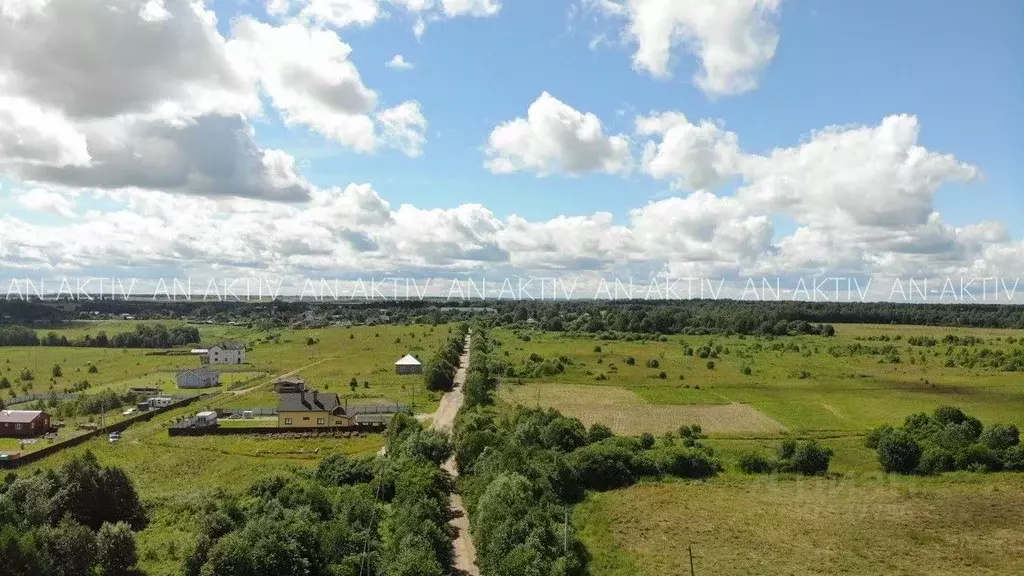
x=408 y=360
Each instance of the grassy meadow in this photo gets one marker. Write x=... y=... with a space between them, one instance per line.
x=813 y=385
x=173 y=474
x=856 y=521
x=366 y=353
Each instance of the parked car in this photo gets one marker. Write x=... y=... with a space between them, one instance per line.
x=114 y=437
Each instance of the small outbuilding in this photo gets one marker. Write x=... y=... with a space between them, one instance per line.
x=23 y=423
x=408 y=365
x=289 y=385
x=198 y=378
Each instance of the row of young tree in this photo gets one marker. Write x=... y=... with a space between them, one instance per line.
x=143 y=336
x=521 y=471
x=369 y=516
x=76 y=520
x=439 y=373
x=947 y=440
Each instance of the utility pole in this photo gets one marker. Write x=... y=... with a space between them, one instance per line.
x=689 y=549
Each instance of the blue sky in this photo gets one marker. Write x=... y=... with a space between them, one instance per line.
x=950 y=63
x=746 y=183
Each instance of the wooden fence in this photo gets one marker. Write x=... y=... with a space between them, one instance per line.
x=274 y=430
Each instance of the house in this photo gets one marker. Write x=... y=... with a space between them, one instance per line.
x=198 y=378
x=289 y=385
x=223 y=353
x=408 y=364
x=310 y=409
x=23 y=423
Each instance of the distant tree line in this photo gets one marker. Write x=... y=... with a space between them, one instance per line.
x=144 y=336
x=77 y=520
x=947 y=440
x=583 y=315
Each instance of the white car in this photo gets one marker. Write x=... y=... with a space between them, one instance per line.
x=114 y=437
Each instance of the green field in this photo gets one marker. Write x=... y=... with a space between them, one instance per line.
x=173 y=475
x=366 y=353
x=955 y=524
x=804 y=386
x=858 y=521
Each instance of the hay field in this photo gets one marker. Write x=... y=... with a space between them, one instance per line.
x=954 y=525
x=625 y=412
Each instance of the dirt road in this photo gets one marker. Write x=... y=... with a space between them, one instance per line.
x=443 y=419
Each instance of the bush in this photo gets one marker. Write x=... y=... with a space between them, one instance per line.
x=630 y=361
x=653 y=363
x=647 y=440
x=598 y=432
x=935 y=460
x=747 y=371
x=1001 y=436
x=684 y=462
x=57 y=372
x=662 y=375
x=898 y=452
x=93 y=369
x=710 y=364
x=808 y=458
x=875 y=435
x=755 y=463
x=978 y=458
x=1013 y=458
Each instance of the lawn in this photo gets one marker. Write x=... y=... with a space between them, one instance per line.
x=956 y=524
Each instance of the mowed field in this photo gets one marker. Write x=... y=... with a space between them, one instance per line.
x=811 y=386
x=857 y=521
x=955 y=524
x=366 y=353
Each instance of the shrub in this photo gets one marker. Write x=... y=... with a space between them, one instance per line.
x=710 y=364
x=875 y=435
x=598 y=432
x=630 y=361
x=597 y=349
x=662 y=375
x=653 y=363
x=935 y=460
x=898 y=452
x=755 y=463
x=93 y=369
x=685 y=462
x=57 y=372
x=1013 y=458
x=1001 y=436
x=808 y=458
x=979 y=458
x=747 y=371
x=646 y=440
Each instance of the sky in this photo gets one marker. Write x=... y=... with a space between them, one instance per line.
x=511 y=138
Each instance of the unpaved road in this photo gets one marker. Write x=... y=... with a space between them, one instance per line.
x=443 y=419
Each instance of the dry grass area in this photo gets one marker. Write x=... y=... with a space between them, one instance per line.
x=804 y=527
x=627 y=413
